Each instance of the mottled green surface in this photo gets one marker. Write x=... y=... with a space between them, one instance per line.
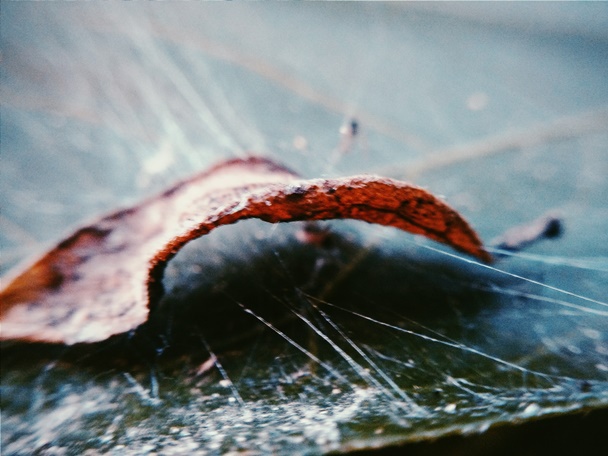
x=371 y=338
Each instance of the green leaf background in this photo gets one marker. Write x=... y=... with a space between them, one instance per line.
x=268 y=344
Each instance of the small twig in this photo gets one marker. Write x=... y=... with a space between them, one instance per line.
x=548 y=226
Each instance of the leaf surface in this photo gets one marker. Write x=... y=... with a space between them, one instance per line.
x=102 y=280
x=502 y=108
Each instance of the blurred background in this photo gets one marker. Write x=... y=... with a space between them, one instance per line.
x=500 y=107
x=103 y=104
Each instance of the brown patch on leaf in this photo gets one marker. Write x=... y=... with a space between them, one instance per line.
x=103 y=279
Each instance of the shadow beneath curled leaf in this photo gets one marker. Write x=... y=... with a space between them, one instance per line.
x=256 y=280
x=252 y=280
x=263 y=324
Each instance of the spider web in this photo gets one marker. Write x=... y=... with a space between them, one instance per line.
x=266 y=338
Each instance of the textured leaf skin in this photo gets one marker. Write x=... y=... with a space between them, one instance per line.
x=103 y=279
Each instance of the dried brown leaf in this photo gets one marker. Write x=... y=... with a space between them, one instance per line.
x=104 y=278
